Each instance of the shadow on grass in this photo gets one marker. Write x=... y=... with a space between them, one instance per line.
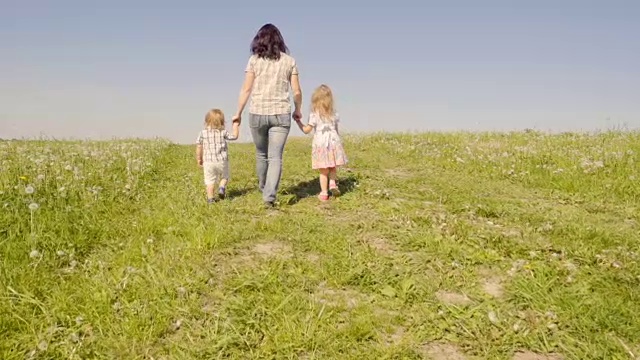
x=311 y=187
x=238 y=192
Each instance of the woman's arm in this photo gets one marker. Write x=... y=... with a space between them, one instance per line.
x=297 y=96
x=236 y=131
x=243 y=98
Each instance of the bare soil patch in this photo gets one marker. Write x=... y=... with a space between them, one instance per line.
x=493 y=287
x=395 y=336
x=272 y=250
x=442 y=351
x=348 y=298
x=399 y=173
x=528 y=355
x=230 y=261
x=452 y=298
x=312 y=258
x=379 y=244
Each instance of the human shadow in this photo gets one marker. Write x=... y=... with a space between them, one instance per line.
x=234 y=193
x=308 y=188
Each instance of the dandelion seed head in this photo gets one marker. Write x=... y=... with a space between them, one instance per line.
x=34 y=254
x=34 y=206
x=29 y=189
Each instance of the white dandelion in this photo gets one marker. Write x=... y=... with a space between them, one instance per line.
x=34 y=254
x=29 y=190
x=33 y=207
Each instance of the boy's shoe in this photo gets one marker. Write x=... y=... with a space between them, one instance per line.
x=211 y=201
x=269 y=205
x=222 y=193
x=323 y=197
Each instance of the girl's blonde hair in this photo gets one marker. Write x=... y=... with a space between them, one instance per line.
x=322 y=103
x=215 y=119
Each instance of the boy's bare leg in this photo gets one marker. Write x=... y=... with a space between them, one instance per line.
x=210 y=191
x=222 y=190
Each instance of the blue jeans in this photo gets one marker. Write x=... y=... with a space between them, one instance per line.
x=269 y=133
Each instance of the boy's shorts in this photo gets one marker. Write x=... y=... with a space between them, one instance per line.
x=214 y=172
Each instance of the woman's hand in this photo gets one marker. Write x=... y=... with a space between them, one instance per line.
x=297 y=115
x=236 y=118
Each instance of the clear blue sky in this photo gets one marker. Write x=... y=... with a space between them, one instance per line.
x=71 y=68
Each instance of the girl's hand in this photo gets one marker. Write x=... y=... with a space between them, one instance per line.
x=237 y=118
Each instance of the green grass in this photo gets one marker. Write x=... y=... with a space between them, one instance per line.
x=479 y=245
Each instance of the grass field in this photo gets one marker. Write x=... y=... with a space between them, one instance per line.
x=442 y=246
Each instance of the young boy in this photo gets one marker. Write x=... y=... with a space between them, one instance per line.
x=212 y=152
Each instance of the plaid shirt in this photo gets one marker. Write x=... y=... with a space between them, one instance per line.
x=214 y=144
x=270 y=94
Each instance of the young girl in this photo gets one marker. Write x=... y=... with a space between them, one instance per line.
x=327 y=152
x=211 y=152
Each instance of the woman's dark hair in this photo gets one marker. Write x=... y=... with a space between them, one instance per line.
x=268 y=43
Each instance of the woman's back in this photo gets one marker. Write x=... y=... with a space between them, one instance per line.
x=270 y=94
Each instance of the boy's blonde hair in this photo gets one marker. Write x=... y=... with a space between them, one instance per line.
x=322 y=103
x=214 y=119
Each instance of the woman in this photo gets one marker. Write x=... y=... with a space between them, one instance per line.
x=269 y=75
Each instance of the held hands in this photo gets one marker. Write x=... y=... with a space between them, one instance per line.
x=236 y=119
x=297 y=116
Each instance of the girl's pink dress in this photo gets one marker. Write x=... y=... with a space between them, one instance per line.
x=326 y=149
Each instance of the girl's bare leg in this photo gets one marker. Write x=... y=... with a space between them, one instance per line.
x=324 y=181
x=333 y=186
